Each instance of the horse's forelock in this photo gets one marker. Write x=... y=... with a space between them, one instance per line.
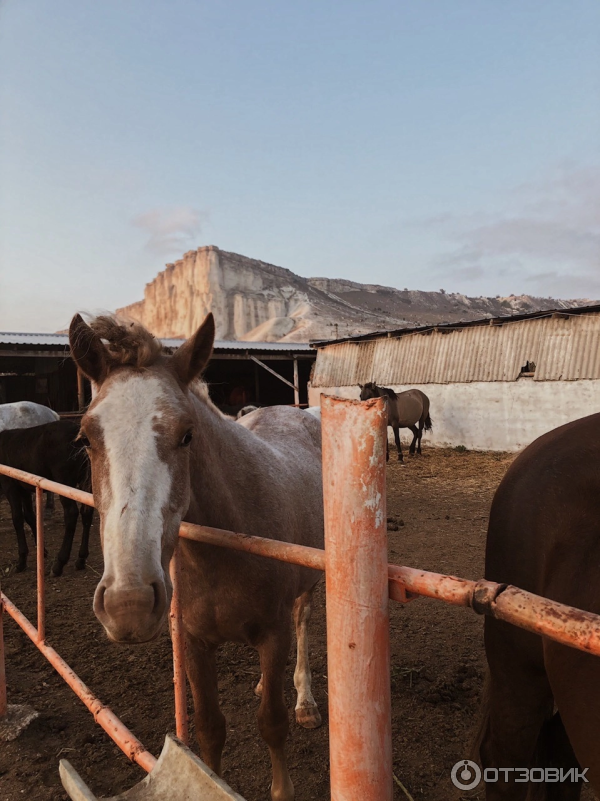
x=127 y=341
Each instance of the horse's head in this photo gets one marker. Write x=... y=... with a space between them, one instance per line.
x=137 y=432
x=368 y=391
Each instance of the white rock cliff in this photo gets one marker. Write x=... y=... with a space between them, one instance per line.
x=256 y=301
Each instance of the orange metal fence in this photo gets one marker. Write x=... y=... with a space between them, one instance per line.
x=358 y=589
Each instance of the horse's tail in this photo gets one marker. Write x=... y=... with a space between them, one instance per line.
x=428 y=423
x=553 y=750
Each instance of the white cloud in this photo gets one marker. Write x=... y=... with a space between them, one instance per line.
x=550 y=237
x=171 y=231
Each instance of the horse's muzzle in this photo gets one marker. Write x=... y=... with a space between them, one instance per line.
x=131 y=614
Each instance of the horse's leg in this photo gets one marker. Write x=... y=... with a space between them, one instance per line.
x=28 y=513
x=210 y=722
x=415 y=433
x=49 y=508
x=387 y=446
x=575 y=681
x=15 y=499
x=398 y=443
x=307 y=711
x=273 y=722
x=87 y=515
x=520 y=700
x=421 y=426
x=71 y=514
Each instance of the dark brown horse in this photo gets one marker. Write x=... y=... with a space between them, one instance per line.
x=50 y=451
x=408 y=409
x=542 y=705
x=161 y=453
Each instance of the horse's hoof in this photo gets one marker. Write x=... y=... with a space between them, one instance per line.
x=57 y=569
x=80 y=564
x=258 y=690
x=21 y=565
x=308 y=717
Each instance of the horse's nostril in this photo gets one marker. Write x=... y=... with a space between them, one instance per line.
x=99 y=599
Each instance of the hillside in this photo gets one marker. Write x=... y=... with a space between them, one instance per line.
x=256 y=301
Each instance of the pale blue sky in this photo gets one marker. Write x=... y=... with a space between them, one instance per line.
x=426 y=144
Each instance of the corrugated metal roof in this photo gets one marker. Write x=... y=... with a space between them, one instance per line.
x=482 y=321
x=562 y=348
x=62 y=341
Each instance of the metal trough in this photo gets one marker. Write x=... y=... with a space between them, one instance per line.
x=179 y=775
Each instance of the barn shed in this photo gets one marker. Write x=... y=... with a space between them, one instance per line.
x=39 y=368
x=494 y=384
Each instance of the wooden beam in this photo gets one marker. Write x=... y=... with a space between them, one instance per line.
x=277 y=375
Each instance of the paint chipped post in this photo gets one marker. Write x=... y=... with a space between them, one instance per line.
x=358 y=644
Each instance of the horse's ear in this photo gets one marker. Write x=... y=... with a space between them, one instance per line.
x=191 y=358
x=87 y=350
x=362 y=386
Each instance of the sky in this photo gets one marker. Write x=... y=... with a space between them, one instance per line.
x=443 y=144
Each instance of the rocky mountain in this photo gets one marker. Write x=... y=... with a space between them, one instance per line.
x=256 y=301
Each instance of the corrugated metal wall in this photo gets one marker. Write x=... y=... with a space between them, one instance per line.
x=562 y=348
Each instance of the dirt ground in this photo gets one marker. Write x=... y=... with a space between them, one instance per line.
x=437 y=505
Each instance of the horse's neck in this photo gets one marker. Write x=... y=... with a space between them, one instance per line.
x=224 y=460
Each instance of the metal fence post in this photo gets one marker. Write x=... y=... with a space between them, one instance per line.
x=178 y=640
x=3 y=697
x=358 y=647
x=41 y=590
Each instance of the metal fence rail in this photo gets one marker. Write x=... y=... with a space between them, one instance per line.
x=353 y=522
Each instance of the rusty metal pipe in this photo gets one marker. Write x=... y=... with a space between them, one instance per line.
x=52 y=486
x=358 y=630
x=41 y=587
x=3 y=695
x=103 y=715
x=178 y=639
x=273 y=549
x=581 y=633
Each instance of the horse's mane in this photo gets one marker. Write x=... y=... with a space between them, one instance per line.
x=381 y=390
x=127 y=341
x=130 y=343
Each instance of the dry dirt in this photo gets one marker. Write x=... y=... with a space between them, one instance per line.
x=438 y=505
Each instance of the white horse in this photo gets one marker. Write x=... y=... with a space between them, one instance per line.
x=160 y=453
x=25 y=414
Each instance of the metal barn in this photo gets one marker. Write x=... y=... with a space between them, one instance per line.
x=38 y=367
x=494 y=384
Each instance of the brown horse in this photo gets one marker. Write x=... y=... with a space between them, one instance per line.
x=542 y=705
x=405 y=410
x=161 y=453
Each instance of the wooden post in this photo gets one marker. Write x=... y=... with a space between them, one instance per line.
x=80 y=391
x=296 y=383
x=356 y=574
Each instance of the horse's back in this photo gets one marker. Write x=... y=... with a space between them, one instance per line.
x=25 y=414
x=47 y=450
x=409 y=406
x=544 y=527
x=285 y=428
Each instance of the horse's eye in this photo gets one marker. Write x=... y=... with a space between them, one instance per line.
x=83 y=440
x=187 y=438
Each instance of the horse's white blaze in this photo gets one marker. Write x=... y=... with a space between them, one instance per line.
x=139 y=483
